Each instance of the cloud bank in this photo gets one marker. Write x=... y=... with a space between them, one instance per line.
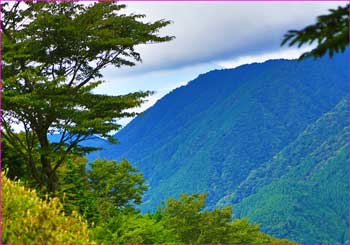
x=209 y=35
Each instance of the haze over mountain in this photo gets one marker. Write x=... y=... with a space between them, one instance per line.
x=268 y=138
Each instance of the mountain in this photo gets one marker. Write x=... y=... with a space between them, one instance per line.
x=230 y=133
x=302 y=192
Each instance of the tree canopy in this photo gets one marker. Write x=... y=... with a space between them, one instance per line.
x=53 y=55
x=182 y=221
x=330 y=32
x=107 y=189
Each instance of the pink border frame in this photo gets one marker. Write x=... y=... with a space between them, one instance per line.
x=348 y=170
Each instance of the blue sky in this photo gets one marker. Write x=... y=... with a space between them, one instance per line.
x=209 y=35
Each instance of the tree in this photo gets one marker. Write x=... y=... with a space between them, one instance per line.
x=106 y=189
x=14 y=163
x=74 y=191
x=133 y=228
x=331 y=32
x=119 y=184
x=53 y=54
x=192 y=224
x=184 y=216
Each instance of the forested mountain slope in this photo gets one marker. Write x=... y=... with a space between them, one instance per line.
x=224 y=129
x=302 y=193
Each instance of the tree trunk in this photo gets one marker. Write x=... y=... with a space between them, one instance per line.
x=46 y=162
x=52 y=179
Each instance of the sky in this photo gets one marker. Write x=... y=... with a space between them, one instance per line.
x=208 y=36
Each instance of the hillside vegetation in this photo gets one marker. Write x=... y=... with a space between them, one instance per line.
x=302 y=193
x=28 y=219
x=225 y=131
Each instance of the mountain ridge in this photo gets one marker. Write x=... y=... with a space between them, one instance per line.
x=210 y=135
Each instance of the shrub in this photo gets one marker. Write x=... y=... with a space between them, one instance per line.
x=29 y=219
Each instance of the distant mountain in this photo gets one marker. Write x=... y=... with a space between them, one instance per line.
x=225 y=132
x=93 y=141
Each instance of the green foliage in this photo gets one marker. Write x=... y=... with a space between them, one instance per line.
x=184 y=217
x=53 y=54
x=302 y=193
x=13 y=162
x=119 y=183
x=133 y=228
x=191 y=224
x=29 y=220
x=246 y=128
x=181 y=221
x=330 y=32
x=238 y=120
x=107 y=190
x=105 y=195
x=74 y=191
x=146 y=230
x=115 y=188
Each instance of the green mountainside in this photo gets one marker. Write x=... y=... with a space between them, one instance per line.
x=245 y=136
x=302 y=192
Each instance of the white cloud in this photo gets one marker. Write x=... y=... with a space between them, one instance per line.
x=259 y=58
x=208 y=31
x=209 y=35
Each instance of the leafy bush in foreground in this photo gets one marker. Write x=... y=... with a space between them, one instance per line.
x=28 y=219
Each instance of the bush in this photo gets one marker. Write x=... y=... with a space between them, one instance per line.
x=28 y=219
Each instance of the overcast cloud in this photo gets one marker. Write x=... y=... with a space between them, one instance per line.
x=209 y=35
x=207 y=31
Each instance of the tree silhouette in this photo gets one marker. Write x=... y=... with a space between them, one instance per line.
x=330 y=32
